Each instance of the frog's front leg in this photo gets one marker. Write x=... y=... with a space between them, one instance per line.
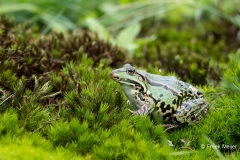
x=192 y=110
x=145 y=109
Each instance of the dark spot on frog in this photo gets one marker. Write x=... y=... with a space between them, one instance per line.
x=161 y=95
x=199 y=93
x=196 y=119
x=193 y=117
x=174 y=101
x=155 y=101
x=168 y=115
x=179 y=99
x=162 y=106
x=185 y=113
x=174 y=119
x=166 y=87
x=178 y=112
x=192 y=114
x=185 y=93
x=140 y=96
x=168 y=107
x=164 y=109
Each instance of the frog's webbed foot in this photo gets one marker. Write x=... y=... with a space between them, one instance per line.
x=145 y=109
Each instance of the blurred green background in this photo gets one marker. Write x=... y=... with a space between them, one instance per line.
x=109 y=18
x=114 y=15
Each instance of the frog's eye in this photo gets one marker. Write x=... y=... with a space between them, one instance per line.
x=131 y=70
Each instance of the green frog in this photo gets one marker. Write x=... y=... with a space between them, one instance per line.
x=175 y=101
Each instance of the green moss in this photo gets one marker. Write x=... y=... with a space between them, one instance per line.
x=32 y=147
x=8 y=124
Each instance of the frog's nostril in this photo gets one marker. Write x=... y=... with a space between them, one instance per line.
x=114 y=77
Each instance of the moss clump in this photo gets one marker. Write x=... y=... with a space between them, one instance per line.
x=29 y=61
x=23 y=53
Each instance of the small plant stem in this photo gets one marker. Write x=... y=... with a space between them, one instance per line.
x=6 y=99
x=47 y=123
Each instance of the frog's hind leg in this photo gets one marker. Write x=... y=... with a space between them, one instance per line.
x=192 y=110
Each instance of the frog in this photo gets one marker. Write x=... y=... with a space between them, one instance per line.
x=174 y=101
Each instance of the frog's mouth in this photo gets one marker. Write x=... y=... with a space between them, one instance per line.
x=126 y=81
x=118 y=79
x=114 y=77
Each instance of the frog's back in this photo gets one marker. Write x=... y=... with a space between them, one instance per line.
x=156 y=77
x=175 y=85
x=168 y=81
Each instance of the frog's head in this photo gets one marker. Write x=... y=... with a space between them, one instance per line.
x=130 y=79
